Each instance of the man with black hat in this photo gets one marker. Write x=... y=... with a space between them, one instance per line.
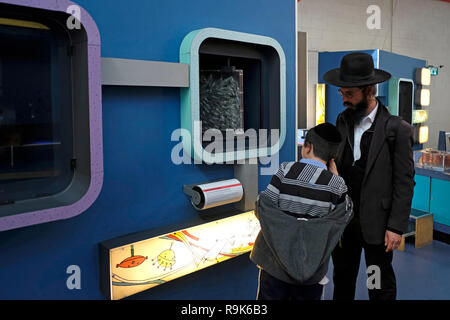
x=375 y=159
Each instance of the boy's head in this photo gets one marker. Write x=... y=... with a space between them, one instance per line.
x=322 y=141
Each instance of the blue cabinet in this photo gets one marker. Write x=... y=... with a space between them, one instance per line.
x=431 y=194
x=421 y=199
x=439 y=201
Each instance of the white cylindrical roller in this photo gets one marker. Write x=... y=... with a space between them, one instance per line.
x=217 y=193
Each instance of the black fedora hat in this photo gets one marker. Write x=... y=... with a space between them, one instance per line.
x=356 y=70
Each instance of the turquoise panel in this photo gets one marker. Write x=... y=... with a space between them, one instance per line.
x=439 y=206
x=421 y=199
x=393 y=96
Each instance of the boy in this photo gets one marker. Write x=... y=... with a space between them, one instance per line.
x=303 y=212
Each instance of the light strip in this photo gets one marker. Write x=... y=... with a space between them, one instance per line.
x=23 y=23
x=423 y=134
x=320 y=103
x=419 y=116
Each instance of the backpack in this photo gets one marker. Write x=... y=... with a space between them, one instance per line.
x=391 y=128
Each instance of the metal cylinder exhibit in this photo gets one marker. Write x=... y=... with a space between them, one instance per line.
x=214 y=194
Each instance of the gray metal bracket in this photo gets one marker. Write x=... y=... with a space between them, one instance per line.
x=127 y=72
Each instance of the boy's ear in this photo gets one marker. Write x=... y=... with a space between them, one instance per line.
x=308 y=147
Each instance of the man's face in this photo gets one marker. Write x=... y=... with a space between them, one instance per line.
x=356 y=100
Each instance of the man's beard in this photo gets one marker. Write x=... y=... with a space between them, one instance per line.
x=357 y=111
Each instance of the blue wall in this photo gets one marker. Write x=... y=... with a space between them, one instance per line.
x=142 y=187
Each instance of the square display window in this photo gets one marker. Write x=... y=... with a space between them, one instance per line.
x=238 y=89
x=51 y=158
x=36 y=123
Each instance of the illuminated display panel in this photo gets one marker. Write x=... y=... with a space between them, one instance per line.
x=320 y=103
x=423 y=97
x=419 y=116
x=144 y=264
x=423 y=134
x=423 y=76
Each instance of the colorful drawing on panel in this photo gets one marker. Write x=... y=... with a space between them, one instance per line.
x=179 y=253
x=165 y=259
x=132 y=261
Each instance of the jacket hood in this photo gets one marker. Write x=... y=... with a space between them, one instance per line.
x=298 y=250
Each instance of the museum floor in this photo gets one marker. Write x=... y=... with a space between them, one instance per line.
x=422 y=274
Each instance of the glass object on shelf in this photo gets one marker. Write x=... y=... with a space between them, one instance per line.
x=447 y=161
x=437 y=160
x=419 y=158
x=432 y=159
x=222 y=99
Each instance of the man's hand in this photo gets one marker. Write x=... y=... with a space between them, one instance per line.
x=392 y=240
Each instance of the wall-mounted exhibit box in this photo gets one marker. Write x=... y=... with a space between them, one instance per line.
x=51 y=158
x=237 y=87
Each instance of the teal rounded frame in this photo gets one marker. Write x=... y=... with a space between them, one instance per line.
x=393 y=94
x=190 y=97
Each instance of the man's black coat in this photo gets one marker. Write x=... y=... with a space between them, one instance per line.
x=388 y=184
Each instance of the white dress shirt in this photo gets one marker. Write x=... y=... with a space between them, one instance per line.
x=365 y=123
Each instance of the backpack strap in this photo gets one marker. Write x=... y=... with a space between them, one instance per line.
x=391 y=128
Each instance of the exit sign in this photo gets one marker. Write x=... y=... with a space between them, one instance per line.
x=434 y=71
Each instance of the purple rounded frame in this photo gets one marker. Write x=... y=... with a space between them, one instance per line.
x=95 y=123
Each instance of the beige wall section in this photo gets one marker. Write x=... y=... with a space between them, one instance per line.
x=416 y=28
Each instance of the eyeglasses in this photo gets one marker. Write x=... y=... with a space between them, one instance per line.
x=347 y=94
